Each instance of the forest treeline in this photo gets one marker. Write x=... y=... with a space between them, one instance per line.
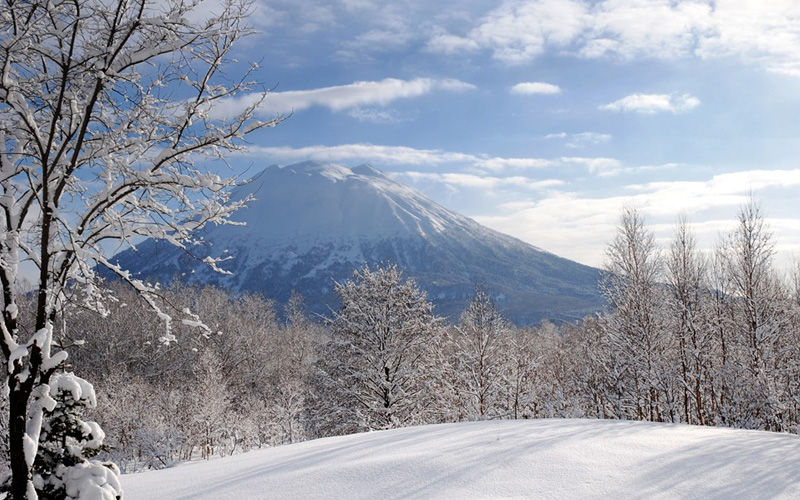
x=692 y=337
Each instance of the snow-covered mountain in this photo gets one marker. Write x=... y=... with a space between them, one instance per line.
x=312 y=223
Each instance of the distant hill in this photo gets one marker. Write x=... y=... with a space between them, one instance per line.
x=553 y=459
x=312 y=224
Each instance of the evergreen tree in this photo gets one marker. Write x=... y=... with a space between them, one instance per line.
x=63 y=467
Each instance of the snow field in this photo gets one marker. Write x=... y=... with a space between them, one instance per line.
x=553 y=459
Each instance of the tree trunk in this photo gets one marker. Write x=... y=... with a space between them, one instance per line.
x=18 y=405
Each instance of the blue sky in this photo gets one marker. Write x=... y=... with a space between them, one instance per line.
x=542 y=118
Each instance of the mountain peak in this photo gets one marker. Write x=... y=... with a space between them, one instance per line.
x=313 y=168
x=330 y=171
x=312 y=223
x=367 y=170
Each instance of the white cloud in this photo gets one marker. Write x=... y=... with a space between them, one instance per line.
x=767 y=33
x=653 y=103
x=588 y=139
x=382 y=39
x=516 y=32
x=260 y=15
x=498 y=163
x=762 y=33
x=579 y=226
x=563 y=223
x=719 y=190
x=647 y=28
x=451 y=44
x=378 y=27
x=341 y=97
x=535 y=88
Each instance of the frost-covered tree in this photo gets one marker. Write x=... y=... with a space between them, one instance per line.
x=480 y=345
x=690 y=325
x=758 y=308
x=538 y=377
x=635 y=329
x=105 y=106
x=291 y=363
x=747 y=256
x=376 y=373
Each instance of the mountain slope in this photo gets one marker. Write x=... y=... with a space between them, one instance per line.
x=554 y=459
x=314 y=223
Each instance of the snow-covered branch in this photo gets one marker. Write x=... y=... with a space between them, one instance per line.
x=96 y=146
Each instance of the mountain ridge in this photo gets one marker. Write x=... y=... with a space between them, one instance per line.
x=311 y=224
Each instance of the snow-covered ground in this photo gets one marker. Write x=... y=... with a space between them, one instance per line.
x=547 y=459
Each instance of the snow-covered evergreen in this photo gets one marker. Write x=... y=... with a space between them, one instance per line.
x=63 y=468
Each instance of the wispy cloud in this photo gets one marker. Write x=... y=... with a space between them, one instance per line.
x=650 y=104
x=581 y=139
x=343 y=97
x=363 y=153
x=408 y=156
x=364 y=93
x=451 y=44
x=593 y=165
x=535 y=88
x=620 y=170
x=484 y=182
x=374 y=115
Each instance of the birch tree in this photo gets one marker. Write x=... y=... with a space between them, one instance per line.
x=635 y=329
x=758 y=306
x=105 y=107
x=479 y=348
x=688 y=296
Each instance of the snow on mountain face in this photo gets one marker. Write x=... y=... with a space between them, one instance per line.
x=313 y=223
x=312 y=201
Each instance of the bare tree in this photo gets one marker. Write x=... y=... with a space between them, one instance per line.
x=104 y=109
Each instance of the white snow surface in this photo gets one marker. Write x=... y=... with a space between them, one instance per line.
x=554 y=459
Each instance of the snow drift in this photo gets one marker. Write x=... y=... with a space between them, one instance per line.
x=553 y=459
